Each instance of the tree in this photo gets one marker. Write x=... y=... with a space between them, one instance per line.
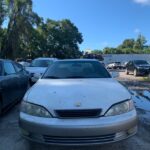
x=2 y=16
x=110 y=50
x=59 y=39
x=21 y=21
x=97 y=52
x=127 y=43
x=129 y=46
x=94 y=54
x=139 y=44
x=2 y=12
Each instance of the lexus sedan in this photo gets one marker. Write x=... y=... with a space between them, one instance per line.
x=138 y=67
x=77 y=102
x=13 y=83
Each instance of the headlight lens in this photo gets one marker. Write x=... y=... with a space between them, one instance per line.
x=34 y=110
x=139 y=67
x=120 y=108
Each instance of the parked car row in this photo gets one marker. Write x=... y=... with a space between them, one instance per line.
x=75 y=102
x=136 y=67
x=116 y=65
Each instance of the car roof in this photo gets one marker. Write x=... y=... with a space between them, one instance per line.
x=82 y=60
x=4 y=60
x=139 y=60
x=45 y=58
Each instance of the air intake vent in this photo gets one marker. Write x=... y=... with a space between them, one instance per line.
x=85 y=113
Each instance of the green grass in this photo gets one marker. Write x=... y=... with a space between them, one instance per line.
x=146 y=79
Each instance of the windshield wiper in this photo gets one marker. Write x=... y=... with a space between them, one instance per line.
x=51 y=77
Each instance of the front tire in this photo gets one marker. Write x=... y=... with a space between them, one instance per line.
x=127 y=73
x=135 y=73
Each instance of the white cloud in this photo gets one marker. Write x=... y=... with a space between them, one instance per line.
x=143 y=2
x=137 y=30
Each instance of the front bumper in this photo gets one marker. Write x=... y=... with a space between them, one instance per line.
x=143 y=71
x=78 y=131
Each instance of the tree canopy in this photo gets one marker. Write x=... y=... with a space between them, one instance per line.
x=130 y=46
x=27 y=35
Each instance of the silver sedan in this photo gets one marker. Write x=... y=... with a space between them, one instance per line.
x=77 y=102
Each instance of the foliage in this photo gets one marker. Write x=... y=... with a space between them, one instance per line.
x=130 y=46
x=94 y=54
x=21 y=21
x=27 y=35
x=59 y=39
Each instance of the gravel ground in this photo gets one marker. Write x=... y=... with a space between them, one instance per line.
x=10 y=138
x=130 y=77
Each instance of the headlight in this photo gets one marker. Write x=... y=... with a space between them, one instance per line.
x=120 y=108
x=34 y=110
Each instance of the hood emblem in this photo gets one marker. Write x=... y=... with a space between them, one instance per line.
x=78 y=104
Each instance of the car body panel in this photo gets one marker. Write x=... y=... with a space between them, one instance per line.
x=63 y=130
x=77 y=94
x=12 y=86
x=65 y=93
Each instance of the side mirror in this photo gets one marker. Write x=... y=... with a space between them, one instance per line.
x=114 y=74
x=36 y=77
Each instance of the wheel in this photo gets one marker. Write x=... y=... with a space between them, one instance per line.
x=126 y=72
x=135 y=73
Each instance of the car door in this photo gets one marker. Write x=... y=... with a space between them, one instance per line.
x=23 y=79
x=132 y=67
x=9 y=83
x=129 y=66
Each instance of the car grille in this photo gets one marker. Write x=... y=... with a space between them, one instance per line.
x=79 y=140
x=85 y=113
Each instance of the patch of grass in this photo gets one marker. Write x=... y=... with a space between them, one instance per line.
x=146 y=79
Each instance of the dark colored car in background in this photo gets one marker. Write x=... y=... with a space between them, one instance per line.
x=138 y=67
x=13 y=83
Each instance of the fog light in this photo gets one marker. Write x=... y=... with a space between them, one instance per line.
x=120 y=135
x=24 y=132
x=132 y=130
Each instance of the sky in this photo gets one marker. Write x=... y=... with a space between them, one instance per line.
x=102 y=22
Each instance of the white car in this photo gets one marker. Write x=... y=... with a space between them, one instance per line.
x=38 y=66
x=76 y=102
x=115 y=65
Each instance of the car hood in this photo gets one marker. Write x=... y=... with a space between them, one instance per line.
x=145 y=65
x=40 y=70
x=56 y=94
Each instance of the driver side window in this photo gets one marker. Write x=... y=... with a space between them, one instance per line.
x=18 y=67
x=9 y=68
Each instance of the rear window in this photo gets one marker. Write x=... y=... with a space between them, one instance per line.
x=76 y=69
x=141 y=62
x=41 y=63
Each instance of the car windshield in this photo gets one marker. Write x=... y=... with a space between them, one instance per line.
x=141 y=62
x=117 y=63
x=76 y=69
x=41 y=63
